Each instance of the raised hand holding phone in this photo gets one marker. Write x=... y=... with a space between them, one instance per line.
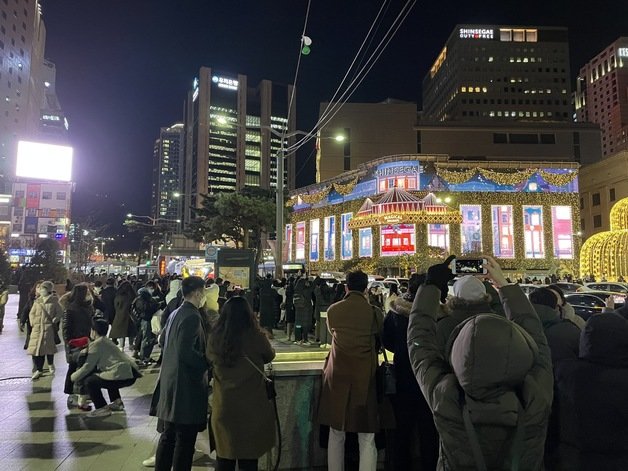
x=494 y=272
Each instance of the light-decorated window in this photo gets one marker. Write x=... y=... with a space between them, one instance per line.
x=503 y=231
x=533 y=232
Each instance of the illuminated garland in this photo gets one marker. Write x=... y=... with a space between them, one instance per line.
x=557 y=179
x=507 y=178
x=517 y=200
x=346 y=188
x=619 y=215
x=456 y=177
x=408 y=217
x=605 y=255
x=314 y=198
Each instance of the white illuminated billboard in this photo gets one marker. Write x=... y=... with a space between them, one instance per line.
x=44 y=161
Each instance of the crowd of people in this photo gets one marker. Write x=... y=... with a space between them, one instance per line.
x=484 y=377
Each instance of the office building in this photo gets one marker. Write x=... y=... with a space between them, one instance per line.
x=369 y=130
x=601 y=95
x=22 y=43
x=231 y=135
x=601 y=186
x=500 y=73
x=167 y=170
x=53 y=123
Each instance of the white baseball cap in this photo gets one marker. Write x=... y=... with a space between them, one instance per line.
x=469 y=288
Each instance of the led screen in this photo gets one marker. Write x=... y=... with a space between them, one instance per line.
x=347 y=237
x=366 y=242
x=44 y=161
x=288 y=242
x=562 y=231
x=398 y=239
x=300 y=255
x=533 y=232
x=438 y=236
x=503 y=232
x=314 y=232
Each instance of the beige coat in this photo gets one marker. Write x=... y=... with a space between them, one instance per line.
x=243 y=420
x=43 y=315
x=349 y=395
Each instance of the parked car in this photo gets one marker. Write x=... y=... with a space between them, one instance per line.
x=569 y=287
x=615 y=287
x=587 y=303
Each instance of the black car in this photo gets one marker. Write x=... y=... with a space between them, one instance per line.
x=593 y=302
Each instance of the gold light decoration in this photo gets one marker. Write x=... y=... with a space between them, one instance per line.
x=456 y=177
x=557 y=179
x=314 y=198
x=516 y=199
x=508 y=178
x=605 y=255
x=406 y=217
x=345 y=188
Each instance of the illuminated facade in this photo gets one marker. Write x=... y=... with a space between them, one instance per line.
x=400 y=210
x=167 y=170
x=500 y=73
x=229 y=143
x=601 y=96
x=605 y=255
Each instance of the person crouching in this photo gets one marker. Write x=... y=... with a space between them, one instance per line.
x=105 y=367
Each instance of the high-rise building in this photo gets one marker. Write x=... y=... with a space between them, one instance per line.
x=601 y=96
x=168 y=156
x=232 y=135
x=22 y=44
x=497 y=73
x=54 y=123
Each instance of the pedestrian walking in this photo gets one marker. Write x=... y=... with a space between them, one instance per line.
x=4 y=299
x=123 y=323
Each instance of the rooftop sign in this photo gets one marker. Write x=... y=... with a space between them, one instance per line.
x=476 y=33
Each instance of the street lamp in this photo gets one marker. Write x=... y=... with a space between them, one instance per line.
x=281 y=155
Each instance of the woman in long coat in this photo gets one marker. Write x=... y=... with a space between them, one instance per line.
x=123 y=326
x=242 y=420
x=45 y=313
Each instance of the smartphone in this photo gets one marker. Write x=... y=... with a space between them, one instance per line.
x=469 y=266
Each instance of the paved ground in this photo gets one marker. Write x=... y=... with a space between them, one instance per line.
x=38 y=432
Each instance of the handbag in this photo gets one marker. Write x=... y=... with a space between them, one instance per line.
x=385 y=375
x=269 y=383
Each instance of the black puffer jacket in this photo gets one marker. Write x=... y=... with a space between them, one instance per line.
x=77 y=321
x=592 y=392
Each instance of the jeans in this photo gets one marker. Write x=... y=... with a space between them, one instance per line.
x=38 y=362
x=223 y=464
x=95 y=385
x=148 y=340
x=336 y=451
x=176 y=447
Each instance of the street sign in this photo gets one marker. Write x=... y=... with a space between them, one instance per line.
x=211 y=252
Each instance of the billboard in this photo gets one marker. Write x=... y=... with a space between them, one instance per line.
x=44 y=161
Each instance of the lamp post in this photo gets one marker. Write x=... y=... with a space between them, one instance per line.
x=281 y=155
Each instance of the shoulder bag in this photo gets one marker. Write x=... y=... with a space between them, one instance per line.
x=270 y=384
x=385 y=373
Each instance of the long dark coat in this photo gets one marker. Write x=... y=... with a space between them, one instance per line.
x=122 y=325
x=183 y=381
x=267 y=296
x=349 y=395
x=243 y=421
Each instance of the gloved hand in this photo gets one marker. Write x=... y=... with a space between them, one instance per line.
x=439 y=276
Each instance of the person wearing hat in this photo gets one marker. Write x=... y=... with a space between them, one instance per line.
x=491 y=389
x=470 y=297
x=44 y=316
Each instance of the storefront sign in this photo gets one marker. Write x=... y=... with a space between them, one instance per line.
x=476 y=33
x=398 y=170
x=623 y=52
x=227 y=83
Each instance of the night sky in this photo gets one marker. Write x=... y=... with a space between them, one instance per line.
x=124 y=66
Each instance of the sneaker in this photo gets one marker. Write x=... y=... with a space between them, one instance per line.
x=102 y=412
x=36 y=375
x=306 y=342
x=72 y=401
x=323 y=345
x=150 y=462
x=52 y=369
x=198 y=454
x=84 y=407
x=116 y=406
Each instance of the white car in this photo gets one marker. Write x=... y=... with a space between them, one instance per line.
x=614 y=286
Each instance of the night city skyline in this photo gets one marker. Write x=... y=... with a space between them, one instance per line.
x=124 y=69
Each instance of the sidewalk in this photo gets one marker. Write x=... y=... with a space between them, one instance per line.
x=39 y=433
